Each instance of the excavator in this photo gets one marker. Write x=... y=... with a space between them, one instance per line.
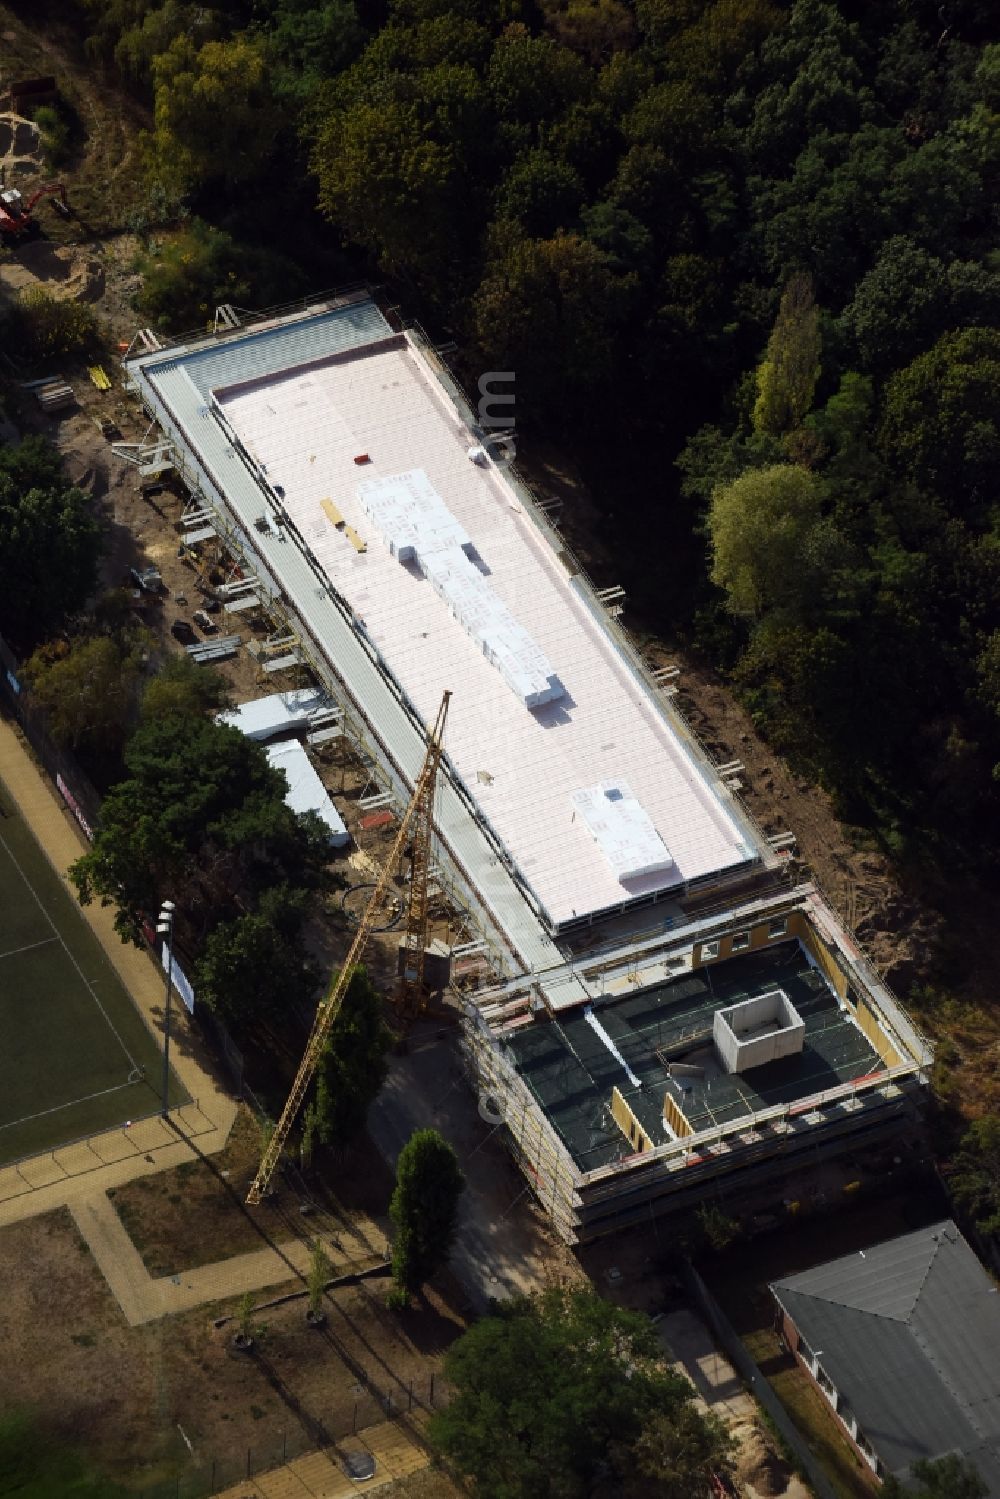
x=17 y=212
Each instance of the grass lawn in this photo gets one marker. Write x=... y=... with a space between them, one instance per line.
x=77 y=1056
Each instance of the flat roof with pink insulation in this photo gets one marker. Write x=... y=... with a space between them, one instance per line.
x=441 y=620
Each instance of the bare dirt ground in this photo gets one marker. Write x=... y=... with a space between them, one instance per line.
x=140 y=1394
x=197 y=1213
x=105 y=174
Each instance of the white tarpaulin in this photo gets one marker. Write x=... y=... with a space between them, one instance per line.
x=276 y=714
x=416 y=525
x=306 y=792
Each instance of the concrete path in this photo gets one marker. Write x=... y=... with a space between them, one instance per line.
x=144 y=1298
x=318 y=1475
x=692 y=1350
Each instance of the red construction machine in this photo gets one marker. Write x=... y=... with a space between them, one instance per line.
x=17 y=212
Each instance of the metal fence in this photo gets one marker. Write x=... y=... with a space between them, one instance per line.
x=756 y=1381
x=348 y=1424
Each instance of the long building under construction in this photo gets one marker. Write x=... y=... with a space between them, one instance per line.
x=664 y=1007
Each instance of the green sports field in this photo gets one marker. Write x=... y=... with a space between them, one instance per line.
x=75 y=1054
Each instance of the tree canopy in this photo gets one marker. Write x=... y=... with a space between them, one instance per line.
x=50 y=543
x=564 y=1393
x=253 y=968
x=88 y=688
x=200 y=810
x=944 y=1478
x=741 y=258
x=424 y=1209
x=352 y=1067
x=975 y=1179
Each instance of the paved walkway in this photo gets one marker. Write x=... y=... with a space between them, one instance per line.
x=144 y=1298
x=319 y=1475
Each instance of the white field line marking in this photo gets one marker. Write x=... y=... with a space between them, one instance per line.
x=30 y=947
x=90 y=989
x=70 y=1104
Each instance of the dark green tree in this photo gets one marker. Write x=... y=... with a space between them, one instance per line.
x=50 y=543
x=88 y=688
x=352 y=1067
x=941 y=426
x=542 y=192
x=253 y=968
x=899 y=307
x=394 y=157
x=944 y=1478
x=182 y=686
x=975 y=1179
x=550 y=310
x=424 y=1210
x=567 y=1395
x=200 y=809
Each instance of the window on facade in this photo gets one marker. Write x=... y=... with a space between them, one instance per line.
x=805 y=1352
x=709 y=950
x=827 y=1385
x=777 y=928
x=865 y=1446
x=741 y=941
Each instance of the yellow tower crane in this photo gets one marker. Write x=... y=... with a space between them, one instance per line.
x=417 y=823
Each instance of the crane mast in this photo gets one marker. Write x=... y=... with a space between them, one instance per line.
x=419 y=812
x=411 y=994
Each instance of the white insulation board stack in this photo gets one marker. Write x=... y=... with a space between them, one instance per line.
x=411 y=516
x=416 y=525
x=622 y=830
x=275 y=714
x=306 y=792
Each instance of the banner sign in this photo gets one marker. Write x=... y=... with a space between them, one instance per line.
x=74 y=806
x=178 y=979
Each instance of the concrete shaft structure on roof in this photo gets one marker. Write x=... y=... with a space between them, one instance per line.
x=757 y=1031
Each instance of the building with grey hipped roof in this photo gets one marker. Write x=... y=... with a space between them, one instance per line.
x=903 y=1339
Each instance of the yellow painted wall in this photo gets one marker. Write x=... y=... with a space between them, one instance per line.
x=676 y=1119
x=876 y=1035
x=800 y=926
x=628 y=1123
x=758 y=938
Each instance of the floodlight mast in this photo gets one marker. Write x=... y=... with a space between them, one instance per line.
x=329 y=1006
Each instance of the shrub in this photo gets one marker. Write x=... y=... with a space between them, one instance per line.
x=41 y=326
